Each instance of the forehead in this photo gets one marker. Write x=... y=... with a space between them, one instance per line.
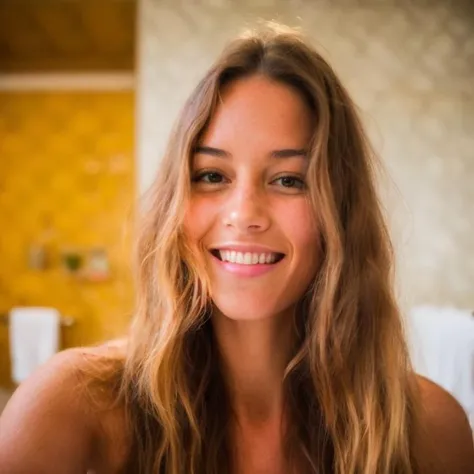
x=264 y=112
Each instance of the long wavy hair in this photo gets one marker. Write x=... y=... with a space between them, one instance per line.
x=349 y=393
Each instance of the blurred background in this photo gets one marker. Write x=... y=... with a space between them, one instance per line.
x=89 y=90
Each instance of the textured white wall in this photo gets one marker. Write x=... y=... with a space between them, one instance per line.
x=409 y=66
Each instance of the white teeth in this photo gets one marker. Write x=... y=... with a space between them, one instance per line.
x=247 y=258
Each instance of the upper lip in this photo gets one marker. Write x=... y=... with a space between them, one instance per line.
x=241 y=247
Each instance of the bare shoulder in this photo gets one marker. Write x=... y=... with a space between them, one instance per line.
x=443 y=440
x=49 y=425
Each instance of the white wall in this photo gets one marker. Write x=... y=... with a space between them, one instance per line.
x=409 y=66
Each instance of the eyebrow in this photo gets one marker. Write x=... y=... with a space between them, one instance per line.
x=283 y=153
x=289 y=153
x=209 y=150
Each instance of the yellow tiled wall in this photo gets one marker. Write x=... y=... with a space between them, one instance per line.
x=67 y=180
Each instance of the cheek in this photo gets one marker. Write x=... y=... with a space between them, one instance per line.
x=302 y=233
x=200 y=214
x=299 y=225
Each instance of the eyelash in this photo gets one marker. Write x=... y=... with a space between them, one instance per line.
x=199 y=177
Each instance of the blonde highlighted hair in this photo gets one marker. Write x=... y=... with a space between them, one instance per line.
x=349 y=395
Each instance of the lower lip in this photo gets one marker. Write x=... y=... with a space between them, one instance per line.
x=246 y=270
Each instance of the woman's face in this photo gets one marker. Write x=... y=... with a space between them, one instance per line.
x=249 y=206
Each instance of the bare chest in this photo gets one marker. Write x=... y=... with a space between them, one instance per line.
x=260 y=453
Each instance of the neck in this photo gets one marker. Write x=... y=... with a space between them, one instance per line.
x=254 y=357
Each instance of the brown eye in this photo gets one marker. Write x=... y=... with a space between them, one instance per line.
x=209 y=177
x=290 y=182
x=213 y=178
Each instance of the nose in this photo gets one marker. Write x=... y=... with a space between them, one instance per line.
x=246 y=210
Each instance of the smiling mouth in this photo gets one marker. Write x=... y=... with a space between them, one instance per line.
x=247 y=258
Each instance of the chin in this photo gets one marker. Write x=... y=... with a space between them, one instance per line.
x=248 y=309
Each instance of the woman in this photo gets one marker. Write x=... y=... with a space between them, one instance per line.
x=266 y=337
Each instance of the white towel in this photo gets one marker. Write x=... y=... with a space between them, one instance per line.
x=441 y=343
x=34 y=338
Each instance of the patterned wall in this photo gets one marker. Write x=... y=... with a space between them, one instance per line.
x=66 y=181
x=410 y=67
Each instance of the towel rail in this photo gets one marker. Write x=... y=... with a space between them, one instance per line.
x=65 y=321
